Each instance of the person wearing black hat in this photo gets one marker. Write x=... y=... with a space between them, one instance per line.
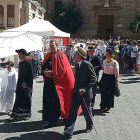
x=85 y=78
x=22 y=106
x=97 y=65
x=108 y=82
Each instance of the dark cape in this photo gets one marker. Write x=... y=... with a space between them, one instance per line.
x=22 y=106
x=51 y=103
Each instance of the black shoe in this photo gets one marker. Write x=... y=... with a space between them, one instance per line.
x=26 y=119
x=10 y=120
x=2 y=113
x=49 y=125
x=89 y=129
x=67 y=136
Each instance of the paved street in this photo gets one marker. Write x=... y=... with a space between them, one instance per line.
x=123 y=123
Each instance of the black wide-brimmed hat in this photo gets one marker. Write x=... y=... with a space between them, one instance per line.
x=22 y=51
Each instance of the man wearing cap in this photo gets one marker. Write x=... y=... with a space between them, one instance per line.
x=85 y=78
x=94 y=60
x=22 y=106
x=97 y=65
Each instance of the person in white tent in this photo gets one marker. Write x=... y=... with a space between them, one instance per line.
x=8 y=87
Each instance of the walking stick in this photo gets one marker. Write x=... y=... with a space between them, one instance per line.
x=89 y=113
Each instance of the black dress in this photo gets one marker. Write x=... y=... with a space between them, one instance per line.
x=22 y=106
x=51 y=103
x=107 y=91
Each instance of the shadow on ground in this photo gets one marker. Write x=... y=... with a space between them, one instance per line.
x=95 y=112
x=98 y=112
x=134 y=79
x=129 y=82
x=24 y=126
x=49 y=135
x=126 y=72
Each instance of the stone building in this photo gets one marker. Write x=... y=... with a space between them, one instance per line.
x=103 y=18
x=14 y=13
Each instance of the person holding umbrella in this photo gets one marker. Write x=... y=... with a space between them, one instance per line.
x=85 y=78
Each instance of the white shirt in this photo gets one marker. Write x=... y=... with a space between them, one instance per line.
x=138 y=53
x=135 y=49
x=102 y=48
x=111 y=68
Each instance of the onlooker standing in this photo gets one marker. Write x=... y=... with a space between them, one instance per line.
x=129 y=47
x=138 y=55
x=108 y=82
x=68 y=53
x=35 y=63
x=124 y=55
x=8 y=87
x=133 y=55
x=102 y=47
x=116 y=53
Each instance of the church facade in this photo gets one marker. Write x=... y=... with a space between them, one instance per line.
x=104 y=18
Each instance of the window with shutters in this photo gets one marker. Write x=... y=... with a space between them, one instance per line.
x=1 y=17
x=10 y=15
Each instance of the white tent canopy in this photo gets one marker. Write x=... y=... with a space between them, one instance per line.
x=13 y=41
x=28 y=36
x=40 y=27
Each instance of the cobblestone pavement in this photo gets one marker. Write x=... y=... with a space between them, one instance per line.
x=122 y=123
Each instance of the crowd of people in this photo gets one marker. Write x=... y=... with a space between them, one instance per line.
x=71 y=81
x=125 y=51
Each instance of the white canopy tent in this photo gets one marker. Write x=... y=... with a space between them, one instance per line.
x=13 y=41
x=40 y=27
x=28 y=36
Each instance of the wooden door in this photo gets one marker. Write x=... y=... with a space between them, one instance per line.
x=105 y=26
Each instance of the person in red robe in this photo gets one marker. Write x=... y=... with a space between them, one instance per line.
x=58 y=85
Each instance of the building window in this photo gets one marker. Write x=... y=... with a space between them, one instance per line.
x=40 y=13
x=10 y=15
x=1 y=17
x=33 y=15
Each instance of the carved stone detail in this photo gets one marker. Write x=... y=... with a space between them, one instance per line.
x=106 y=4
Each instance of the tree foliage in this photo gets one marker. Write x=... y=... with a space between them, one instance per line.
x=67 y=18
x=135 y=25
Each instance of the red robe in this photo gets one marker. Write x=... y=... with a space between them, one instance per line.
x=63 y=79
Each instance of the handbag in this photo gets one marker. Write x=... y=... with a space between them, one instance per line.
x=117 y=92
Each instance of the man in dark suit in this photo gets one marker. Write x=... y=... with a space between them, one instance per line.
x=97 y=65
x=94 y=60
x=85 y=78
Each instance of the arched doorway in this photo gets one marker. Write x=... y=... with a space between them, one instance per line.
x=1 y=17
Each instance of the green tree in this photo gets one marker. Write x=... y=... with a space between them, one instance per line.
x=67 y=18
x=135 y=25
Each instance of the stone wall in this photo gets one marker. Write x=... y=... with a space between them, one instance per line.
x=124 y=12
